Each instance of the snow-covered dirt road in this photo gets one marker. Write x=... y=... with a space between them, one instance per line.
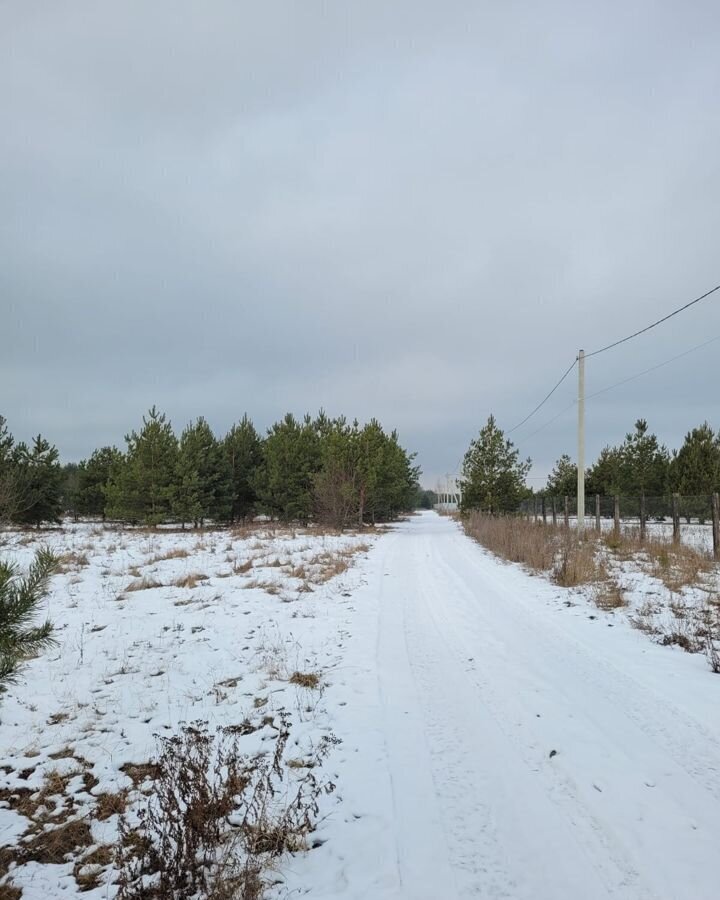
x=512 y=746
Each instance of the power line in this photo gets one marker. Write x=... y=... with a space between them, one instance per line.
x=550 y=421
x=654 y=324
x=653 y=368
x=545 y=399
x=610 y=387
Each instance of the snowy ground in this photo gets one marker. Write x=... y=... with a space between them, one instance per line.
x=159 y=629
x=694 y=534
x=501 y=737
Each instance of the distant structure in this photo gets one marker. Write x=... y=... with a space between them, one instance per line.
x=448 y=493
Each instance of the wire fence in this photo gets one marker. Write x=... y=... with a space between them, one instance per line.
x=692 y=519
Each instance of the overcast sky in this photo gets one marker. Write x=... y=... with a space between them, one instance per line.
x=418 y=211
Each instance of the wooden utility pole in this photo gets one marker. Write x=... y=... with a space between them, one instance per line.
x=581 y=442
x=617 y=516
x=716 y=525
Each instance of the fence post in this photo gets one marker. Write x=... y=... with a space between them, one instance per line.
x=567 y=511
x=642 y=517
x=676 y=518
x=554 y=510
x=597 y=512
x=544 y=510
x=617 y=516
x=716 y=525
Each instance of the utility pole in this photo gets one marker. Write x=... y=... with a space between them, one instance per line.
x=581 y=442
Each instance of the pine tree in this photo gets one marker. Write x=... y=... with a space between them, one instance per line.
x=70 y=490
x=645 y=463
x=493 y=473
x=40 y=481
x=143 y=487
x=606 y=476
x=19 y=600
x=695 y=467
x=291 y=459
x=394 y=489
x=10 y=499
x=562 y=481
x=370 y=444
x=203 y=488
x=243 y=451
x=95 y=475
x=335 y=493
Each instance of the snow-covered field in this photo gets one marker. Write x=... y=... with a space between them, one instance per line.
x=501 y=736
x=158 y=629
x=693 y=533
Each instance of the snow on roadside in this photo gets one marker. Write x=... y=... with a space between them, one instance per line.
x=156 y=629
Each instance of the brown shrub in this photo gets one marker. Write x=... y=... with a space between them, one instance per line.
x=184 y=844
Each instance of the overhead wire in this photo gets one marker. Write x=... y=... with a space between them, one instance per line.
x=623 y=381
x=653 y=324
x=545 y=398
x=653 y=368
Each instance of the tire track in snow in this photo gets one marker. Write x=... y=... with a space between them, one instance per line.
x=491 y=745
x=699 y=757
x=522 y=655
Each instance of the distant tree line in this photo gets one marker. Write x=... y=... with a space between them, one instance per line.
x=642 y=467
x=322 y=469
x=494 y=476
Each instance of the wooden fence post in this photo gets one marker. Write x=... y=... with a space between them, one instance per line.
x=642 y=517
x=676 y=518
x=716 y=525
x=567 y=511
x=544 y=510
x=597 y=512
x=617 y=516
x=554 y=510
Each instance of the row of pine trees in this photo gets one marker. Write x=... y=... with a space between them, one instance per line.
x=323 y=469
x=494 y=476
x=642 y=466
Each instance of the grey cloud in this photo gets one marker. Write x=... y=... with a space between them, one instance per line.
x=413 y=210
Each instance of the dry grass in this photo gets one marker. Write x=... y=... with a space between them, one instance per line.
x=310 y=680
x=143 y=584
x=177 y=553
x=56 y=832
x=576 y=560
x=110 y=804
x=270 y=587
x=191 y=580
x=90 y=867
x=72 y=562
x=569 y=557
x=609 y=595
x=516 y=540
